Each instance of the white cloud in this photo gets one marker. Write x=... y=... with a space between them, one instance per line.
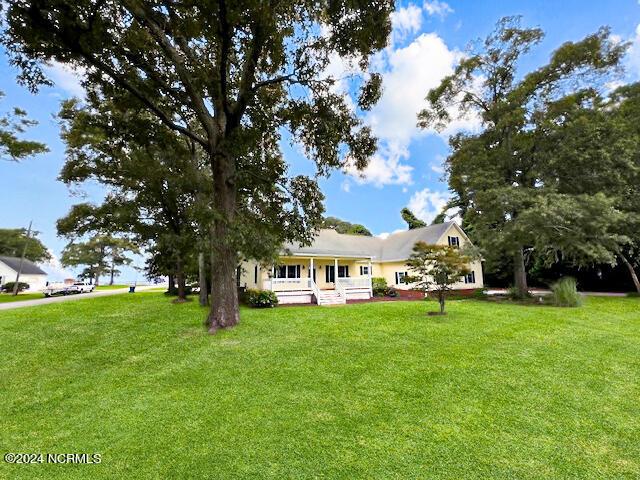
x=54 y=268
x=437 y=165
x=408 y=74
x=341 y=70
x=384 y=170
x=406 y=20
x=384 y=235
x=426 y=204
x=436 y=7
x=633 y=57
x=66 y=78
x=345 y=186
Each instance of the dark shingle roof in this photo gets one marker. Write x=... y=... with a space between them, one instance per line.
x=28 y=267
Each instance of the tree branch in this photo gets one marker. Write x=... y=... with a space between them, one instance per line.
x=142 y=15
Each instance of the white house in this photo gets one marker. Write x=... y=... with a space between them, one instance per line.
x=338 y=267
x=31 y=273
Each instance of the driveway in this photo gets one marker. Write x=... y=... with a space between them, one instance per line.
x=70 y=298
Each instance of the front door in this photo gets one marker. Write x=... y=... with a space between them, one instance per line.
x=330 y=274
x=314 y=274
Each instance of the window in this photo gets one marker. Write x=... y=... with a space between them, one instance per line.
x=287 y=271
x=454 y=242
x=470 y=277
x=293 y=271
x=343 y=271
x=400 y=276
x=255 y=274
x=364 y=270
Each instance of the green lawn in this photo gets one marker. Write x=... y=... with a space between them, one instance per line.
x=361 y=391
x=111 y=287
x=7 y=297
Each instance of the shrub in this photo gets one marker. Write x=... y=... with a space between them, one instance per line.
x=514 y=294
x=480 y=294
x=379 y=286
x=392 y=292
x=8 y=287
x=261 y=298
x=564 y=293
x=633 y=294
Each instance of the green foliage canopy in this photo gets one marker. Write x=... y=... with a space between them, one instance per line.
x=12 y=125
x=12 y=241
x=342 y=226
x=513 y=191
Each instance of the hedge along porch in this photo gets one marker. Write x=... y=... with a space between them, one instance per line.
x=337 y=267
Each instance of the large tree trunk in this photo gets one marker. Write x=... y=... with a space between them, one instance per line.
x=202 y=280
x=632 y=272
x=171 y=290
x=520 y=273
x=97 y=277
x=113 y=267
x=182 y=296
x=224 y=311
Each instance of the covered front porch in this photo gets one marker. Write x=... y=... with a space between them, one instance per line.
x=324 y=280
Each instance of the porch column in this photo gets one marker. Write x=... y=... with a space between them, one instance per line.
x=335 y=272
x=369 y=271
x=311 y=270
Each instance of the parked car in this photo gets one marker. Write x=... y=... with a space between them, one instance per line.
x=84 y=287
x=67 y=289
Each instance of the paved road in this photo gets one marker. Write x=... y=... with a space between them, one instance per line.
x=69 y=298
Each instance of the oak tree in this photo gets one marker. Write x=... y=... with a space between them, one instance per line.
x=500 y=177
x=231 y=76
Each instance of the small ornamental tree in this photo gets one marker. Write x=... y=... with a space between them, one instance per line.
x=437 y=268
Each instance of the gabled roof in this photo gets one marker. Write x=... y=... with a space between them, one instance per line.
x=397 y=246
x=28 y=267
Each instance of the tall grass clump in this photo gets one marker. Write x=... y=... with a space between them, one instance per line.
x=564 y=293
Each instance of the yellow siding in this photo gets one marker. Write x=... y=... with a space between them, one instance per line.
x=380 y=269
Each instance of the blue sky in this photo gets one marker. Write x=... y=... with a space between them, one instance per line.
x=428 y=37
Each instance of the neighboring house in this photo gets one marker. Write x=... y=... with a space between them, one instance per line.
x=338 y=267
x=31 y=273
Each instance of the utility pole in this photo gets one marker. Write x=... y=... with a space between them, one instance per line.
x=24 y=252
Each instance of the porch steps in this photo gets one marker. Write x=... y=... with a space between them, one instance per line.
x=331 y=297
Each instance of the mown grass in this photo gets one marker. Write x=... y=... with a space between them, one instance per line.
x=361 y=391
x=7 y=297
x=111 y=287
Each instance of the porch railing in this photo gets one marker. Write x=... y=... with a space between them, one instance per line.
x=289 y=284
x=315 y=289
x=354 y=282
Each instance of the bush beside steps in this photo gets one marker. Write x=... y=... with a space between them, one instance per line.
x=260 y=298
